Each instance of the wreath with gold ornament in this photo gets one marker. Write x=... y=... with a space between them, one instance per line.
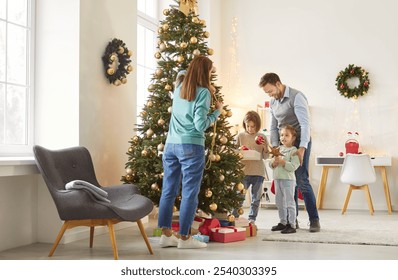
x=116 y=60
x=352 y=72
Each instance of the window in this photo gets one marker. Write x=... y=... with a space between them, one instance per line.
x=146 y=45
x=16 y=77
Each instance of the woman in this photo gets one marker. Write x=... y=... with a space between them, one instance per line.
x=184 y=154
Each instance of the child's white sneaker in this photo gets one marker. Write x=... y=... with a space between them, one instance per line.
x=191 y=243
x=168 y=241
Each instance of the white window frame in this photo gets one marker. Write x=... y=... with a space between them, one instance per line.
x=151 y=24
x=11 y=150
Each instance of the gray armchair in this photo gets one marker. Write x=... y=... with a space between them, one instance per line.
x=77 y=207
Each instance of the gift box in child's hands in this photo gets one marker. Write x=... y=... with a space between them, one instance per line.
x=228 y=234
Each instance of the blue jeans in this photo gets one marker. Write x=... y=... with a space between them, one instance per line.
x=305 y=187
x=183 y=166
x=256 y=182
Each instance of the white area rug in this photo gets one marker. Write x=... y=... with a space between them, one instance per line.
x=354 y=227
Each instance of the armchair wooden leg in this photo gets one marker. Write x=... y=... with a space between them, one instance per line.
x=113 y=239
x=347 y=198
x=58 y=239
x=143 y=233
x=91 y=236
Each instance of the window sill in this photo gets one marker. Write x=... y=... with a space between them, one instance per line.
x=17 y=166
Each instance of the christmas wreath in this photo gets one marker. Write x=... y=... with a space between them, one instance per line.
x=349 y=72
x=116 y=60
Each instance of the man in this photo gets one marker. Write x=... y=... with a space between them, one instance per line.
x=290 y=106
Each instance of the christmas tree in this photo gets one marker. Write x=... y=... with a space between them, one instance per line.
x=181 y=37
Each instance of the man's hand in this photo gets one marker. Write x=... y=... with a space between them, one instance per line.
x=300 y=154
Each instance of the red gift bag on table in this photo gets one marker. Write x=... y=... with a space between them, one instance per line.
x=352 y=144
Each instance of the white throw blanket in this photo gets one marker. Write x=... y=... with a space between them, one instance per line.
x=97 y=192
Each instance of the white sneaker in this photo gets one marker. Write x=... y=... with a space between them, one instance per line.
x=191 y=243
x=168 y=241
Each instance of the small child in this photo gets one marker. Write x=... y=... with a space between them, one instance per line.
x=254 y=169
x=285 y=180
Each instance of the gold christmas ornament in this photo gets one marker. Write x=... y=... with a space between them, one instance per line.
x=162 y=47
x=244 y=191
x=135 y=139
x=110 y=71
x=166 y=12
x=193 y=40
x=165 y=26
x=161 y=122
x=213 y=206
x=149 y=132
x=195 y=20
x=210 y=51
x=117 y=82
x=130 y=53
x=212 y=157
x=170 y=109
x=229 y=114
x=183 y=45
x=120 y=50
x=231 y=218
x=158 y=72
x=149 y=103
x=158 y=55
x=151 y=88
x=144 y=153
x=128 y=177
x=222 y=178
x=130 y=150
x=240 y=187
x=124 y=80
x=113 y=57
x=223 y=140
x=168 y=87
x=206 y=34
x=160 y=147
x=223 y=112
x=196 y=52
x=160 y=30
x=155 y=187
x=241 y=211
x=218 y=157
x=208 y=193
x=180 y=58
x=129 y=171
x=129 y=68
x=203 y=22
x=143 y=114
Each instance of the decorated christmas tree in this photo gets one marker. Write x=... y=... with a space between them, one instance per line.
x=181 y=37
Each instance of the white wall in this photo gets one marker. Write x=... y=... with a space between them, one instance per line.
x=107 y=112
x=75 y=105
x=307 y=43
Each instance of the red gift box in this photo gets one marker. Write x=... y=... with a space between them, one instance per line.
x=207 y=225
x=175 y=226
x=228 y=234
